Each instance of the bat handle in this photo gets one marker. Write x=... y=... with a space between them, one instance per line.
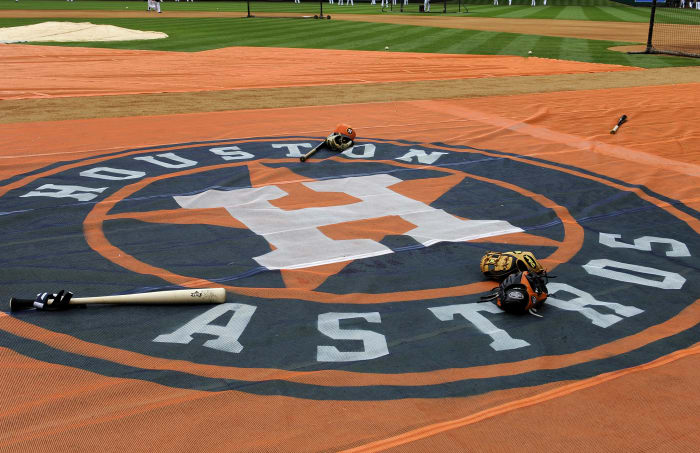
x=43 y=301
x=17 y=304
x=622 y=120
x=20 y=304
x=312 y=152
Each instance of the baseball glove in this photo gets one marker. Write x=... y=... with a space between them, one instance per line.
x=499 y=265
x=520 y=292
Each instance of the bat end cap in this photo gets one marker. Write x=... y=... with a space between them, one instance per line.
x=20 y=304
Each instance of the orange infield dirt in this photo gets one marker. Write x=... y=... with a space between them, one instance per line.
x=650 y=407
x=69 y=72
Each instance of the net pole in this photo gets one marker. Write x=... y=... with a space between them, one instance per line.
x=651 y=25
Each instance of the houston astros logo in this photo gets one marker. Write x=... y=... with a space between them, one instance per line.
x=355 y=275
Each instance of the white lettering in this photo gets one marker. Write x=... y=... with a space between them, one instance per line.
x=374 y=343
x=644 y=243
x=367 y=151
x=183 y=163
x=58 y=191
x=292 y=148
x=670 y=280
x=231 y=153
x=583 y=300
x=112 y=174
x=226 y=336
x=502 y=341
x=421 y=156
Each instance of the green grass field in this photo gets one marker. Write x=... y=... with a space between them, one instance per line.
x=197 y=34
x=597 y=10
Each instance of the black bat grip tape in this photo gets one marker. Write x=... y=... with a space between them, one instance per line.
x=21 y=304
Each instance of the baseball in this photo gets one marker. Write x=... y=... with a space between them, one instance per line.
x=386 y=48
x=529 y=52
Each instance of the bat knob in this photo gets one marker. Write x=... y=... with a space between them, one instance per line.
x=302 y=158
x=21 y=304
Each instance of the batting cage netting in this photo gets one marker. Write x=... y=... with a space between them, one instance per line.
x=324 y=8
x=674 y=28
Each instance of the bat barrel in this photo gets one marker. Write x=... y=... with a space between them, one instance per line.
x=178 y=296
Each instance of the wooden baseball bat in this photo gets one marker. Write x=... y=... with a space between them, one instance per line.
x=312 y=152
x=620 y=122
x=178 y=296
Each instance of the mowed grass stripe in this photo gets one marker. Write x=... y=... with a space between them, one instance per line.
x=573 y=13
x=596 y=13
x=434 y=38
x=549 y=12
x=396 y=37
x=458 y=46
x=356 y=36
x=190 y=34
x=577 y=49
x=472 y=43
x=536 y=45
x=351 y=36
x=521 y=8
x=616 y=14
x=323 y=35
x=601 y=54
x=376 y=38
x=537 y=12
x=496 y=44
x=514 y=12
x=519 y=45
x=267 y=33
x=637 y=14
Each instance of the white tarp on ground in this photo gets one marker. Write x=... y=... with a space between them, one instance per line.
x=73 y=32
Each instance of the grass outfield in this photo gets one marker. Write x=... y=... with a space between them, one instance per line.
x=596 y=10
x=197 y=34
